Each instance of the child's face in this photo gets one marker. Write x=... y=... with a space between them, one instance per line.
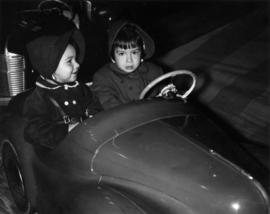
x=127 y=60
x=68 y=67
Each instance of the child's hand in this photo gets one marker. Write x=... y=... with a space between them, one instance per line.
x=72 y=126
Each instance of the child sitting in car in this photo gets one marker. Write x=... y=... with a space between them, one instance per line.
x=59 y=102
x=122 y=80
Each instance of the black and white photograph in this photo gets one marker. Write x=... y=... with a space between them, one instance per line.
x=134 y=107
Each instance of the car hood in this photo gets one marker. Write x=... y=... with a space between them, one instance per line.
x=156 y=159
x=136 y=152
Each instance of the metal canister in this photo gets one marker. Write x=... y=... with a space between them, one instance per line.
x=12 y=71
x=15 y=73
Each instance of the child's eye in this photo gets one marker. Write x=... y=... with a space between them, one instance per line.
x=120 y=53
x=137 y=52
x=69 y=60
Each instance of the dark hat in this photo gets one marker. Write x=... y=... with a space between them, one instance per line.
x=59 y=4
x=48 y=46
x=116 y=27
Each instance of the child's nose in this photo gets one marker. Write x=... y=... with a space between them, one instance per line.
x=129 y=58
x=76 y=64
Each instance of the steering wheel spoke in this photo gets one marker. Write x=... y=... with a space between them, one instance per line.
x=170 y=88
x=167 y=89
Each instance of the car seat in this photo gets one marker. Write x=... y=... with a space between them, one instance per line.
x=16 y=104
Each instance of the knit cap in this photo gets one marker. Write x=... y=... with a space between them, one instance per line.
x=48 y=45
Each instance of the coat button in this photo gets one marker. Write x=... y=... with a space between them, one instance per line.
x=74 y=102
x=66 y=103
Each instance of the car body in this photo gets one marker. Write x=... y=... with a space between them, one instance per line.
x=159 y=155
x=150 y=156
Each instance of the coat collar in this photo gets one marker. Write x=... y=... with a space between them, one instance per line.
x=135 y=74
x=49 y=84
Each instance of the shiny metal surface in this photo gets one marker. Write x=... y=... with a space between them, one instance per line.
x=133 y=160
x=150 y=159
x=157 y=159
x=12 y=70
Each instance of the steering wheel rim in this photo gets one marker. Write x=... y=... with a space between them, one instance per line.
x=166 y=76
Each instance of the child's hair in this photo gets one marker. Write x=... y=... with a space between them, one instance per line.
x=128 y=37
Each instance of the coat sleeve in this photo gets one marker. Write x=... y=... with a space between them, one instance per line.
x=93 y=105
x=42 y=127
x=104 y=90
x=154 y=71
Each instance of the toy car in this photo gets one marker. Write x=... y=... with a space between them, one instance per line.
x=158 y=155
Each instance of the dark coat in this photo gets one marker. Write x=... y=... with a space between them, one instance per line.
x=45 y=124
x=114 y=88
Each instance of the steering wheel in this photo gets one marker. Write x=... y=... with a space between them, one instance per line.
x=170 y=87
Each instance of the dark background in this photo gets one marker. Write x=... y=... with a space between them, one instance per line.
x=196 y=18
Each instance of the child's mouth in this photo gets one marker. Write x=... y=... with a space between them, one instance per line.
x=129 y=67
x=75 y=73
